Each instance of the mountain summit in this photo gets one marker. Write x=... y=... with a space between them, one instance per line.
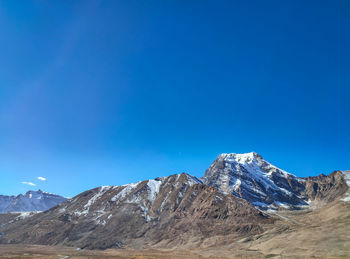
x=252 y=178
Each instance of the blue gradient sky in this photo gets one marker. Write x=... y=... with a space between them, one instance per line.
x=110 y=92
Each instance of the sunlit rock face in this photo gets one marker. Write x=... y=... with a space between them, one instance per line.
x=254 y=179
x=268 y=187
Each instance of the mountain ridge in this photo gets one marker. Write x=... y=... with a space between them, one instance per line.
x=162 y=214
x=31 y=201
x=180 y=210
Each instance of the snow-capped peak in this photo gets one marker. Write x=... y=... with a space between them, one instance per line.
x=254 y=162
x=31 y=201
x=251 y=177
x=243 y=156
x=34 y=194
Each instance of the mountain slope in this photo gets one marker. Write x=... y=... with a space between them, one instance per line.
x=31 y=201
x=323 y=189
x=165 y=212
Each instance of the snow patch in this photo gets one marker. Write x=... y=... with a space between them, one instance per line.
x=237 y=184
x=218 y=197
x=260 y=204
x=24 y=215
x=164 y=201
x=347 y=179
x=145 y=211
x=193 y=180
x=128 y=188
x=102 y=190
x=282 y=204
x=153 y=189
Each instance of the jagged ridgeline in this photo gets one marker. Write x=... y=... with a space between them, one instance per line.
x=232 y=201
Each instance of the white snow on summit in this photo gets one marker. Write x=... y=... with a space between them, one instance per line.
x=251 y=177
x=256 y=167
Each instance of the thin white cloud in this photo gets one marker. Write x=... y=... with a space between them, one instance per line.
x=41 y=178
x=29 y=183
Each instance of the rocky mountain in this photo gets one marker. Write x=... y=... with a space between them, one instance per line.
x=240 y=197
x=252 y=178
x=323 y=189
x=164 y=212
x=31 y=201
x=266 y=186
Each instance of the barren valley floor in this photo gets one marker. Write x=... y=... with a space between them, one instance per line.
x=54 y=252
x=320 y=233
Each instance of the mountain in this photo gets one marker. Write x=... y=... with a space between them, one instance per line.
x=266 y=186
x=241 y=200
x=164 y=212
x=31 y=201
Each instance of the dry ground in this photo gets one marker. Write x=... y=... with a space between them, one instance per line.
x=50 y=252
x=321 y=233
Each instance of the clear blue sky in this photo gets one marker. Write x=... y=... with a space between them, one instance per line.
x=110 y=92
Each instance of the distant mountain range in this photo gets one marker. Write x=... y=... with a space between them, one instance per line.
x=31 y=201
x=240 y=197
